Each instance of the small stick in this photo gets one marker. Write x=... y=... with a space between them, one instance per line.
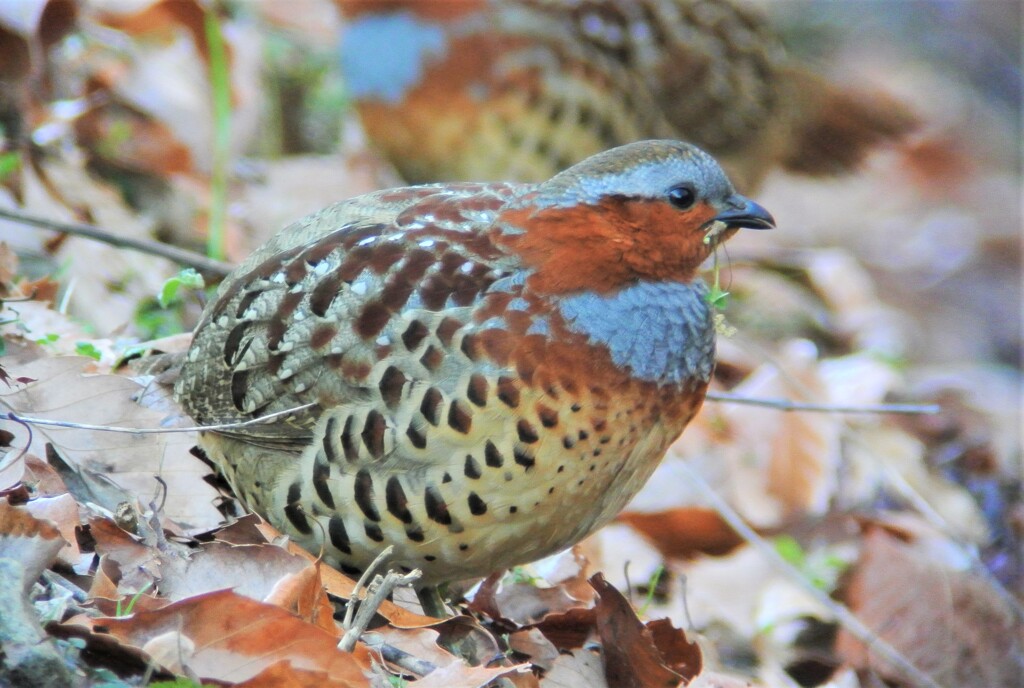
x=846 y=618
x=28 y=420
x=155 y=248
x=359 y=612
x=363 y=582
x=400 y=658
x=788 y=405
x=376 y=593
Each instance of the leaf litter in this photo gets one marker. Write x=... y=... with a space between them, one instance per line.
x=130 y=571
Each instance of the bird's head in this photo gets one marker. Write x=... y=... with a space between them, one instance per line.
x=652 y=210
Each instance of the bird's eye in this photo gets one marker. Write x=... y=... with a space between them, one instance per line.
x=682 y=196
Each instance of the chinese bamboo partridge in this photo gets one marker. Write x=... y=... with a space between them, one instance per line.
x=519 y=89
x=491 y=370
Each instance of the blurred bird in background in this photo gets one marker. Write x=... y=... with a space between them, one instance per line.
x=520 y=89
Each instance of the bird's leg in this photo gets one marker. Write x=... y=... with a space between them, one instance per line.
x=432 y=602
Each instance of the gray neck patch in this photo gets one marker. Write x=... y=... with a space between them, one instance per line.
x=663 y=331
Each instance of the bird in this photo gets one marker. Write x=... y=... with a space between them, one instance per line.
x=478 y=374
x=453 y=90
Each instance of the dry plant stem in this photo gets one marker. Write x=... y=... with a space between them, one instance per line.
x=842 y=613
x=59 y=581
x=378 y=591
x=780 y=404
x=28 y=420
x=153 y=248
x=787 y=405
x=903 y=488
x=359 y=611
x=400 y=658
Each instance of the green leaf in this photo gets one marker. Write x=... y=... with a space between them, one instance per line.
x=9 y=163
x=718 y=298
x=178 y=682
x=88 y=349
x=790 y=550
x=47 y=339
x=521 y=575
x=187 y=278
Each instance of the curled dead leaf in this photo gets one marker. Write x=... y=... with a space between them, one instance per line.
x=235 y=638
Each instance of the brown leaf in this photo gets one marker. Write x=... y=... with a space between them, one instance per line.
x=576 y=668
x=242 y=531
x=458 y=675
x=132 y=565
x=714 y=679
x=43 y=478
x=235 y=638
x=62 y=511
x=283 y=675
x=421 y=643
x=8 y=265
x=27 y=547
x=340 y=585
x=521 y=603
x=122 y=136
x=63 y=392
x=570 y=629
x=532 y=643
x=950 y=624
x=32 y=542
x=160 y=19
x=632 y=660
x=685 y=532
x=302 y=593
x=250 y=570
x=103 y=588
x=681 y=654
x=27 y=22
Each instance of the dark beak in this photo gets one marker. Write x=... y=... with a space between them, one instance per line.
x=740 y=211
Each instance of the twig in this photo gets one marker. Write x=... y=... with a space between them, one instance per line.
x=842 y=613
x=400 y=658
x=28 y=420
x=788 y=405
x=359 y=612
x=378 y=591
x=155 y=248
x=59 y=581
x=363 y=582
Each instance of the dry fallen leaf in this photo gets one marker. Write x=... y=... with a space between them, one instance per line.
x=32 y=542
x=302 y=593
x=458 y=675
x=684 y=532
x=62 y=511
x=576 y=668
x=63 y=392
x=27 y=547
x=283 y=675
x=633 y=658
x=235 y=638
x=950 y=624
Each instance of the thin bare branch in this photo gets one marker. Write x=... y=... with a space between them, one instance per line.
x=360 y=610
x=155 y=248
x=788 y=405
x=841 y=612
x=10 y=415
